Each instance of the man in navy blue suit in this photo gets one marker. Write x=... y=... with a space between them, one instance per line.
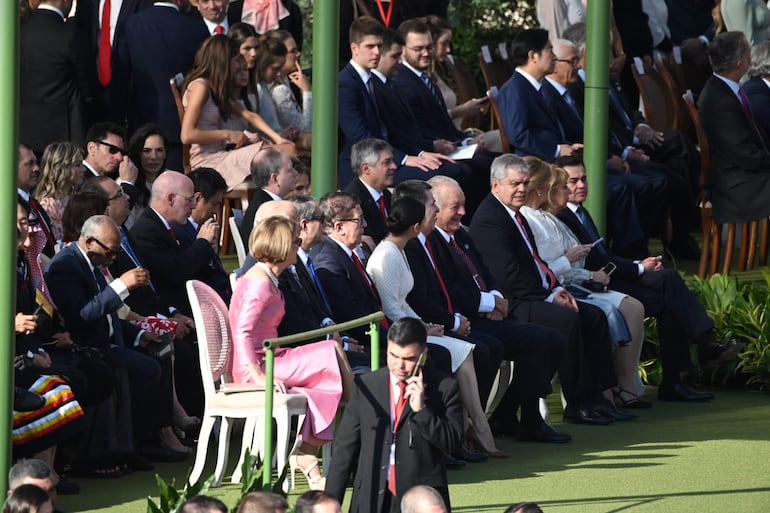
x=360 y=114
x=154 y=45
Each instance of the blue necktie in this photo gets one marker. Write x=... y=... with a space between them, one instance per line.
x=311 y=270
x=591 y=229
x=432 y=88
x=117 y=333
x=618 y=106
x=130 y=252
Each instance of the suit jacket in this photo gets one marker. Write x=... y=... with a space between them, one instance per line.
x=426 y=297
x=214 y=274
x=142 y=300
x=305 y=309
x=362 y=442
x=375 y=224
x=571 y=119
x=82 y=305
x=54 y=81
x=170 y=264
x=529 y=123
x=462 y=287
x=403 y=127
x=503 y=249
x=154 y=45
x=759 y=96
x=248 y=216
x=358 y=119
x=740 y=162
x=348 y=294
x=432 y=116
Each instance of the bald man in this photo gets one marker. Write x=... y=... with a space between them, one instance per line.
x=422 y=499
x=172 y=201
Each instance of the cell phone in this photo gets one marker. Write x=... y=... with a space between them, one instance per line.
x=420 y=362
x=597 y=241
x=230 y=146
x=609 y=268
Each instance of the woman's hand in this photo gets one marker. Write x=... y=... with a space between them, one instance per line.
x=577 y=252
x=299 y=79
x=259 y=379
x=25 y=323
x=235 y=137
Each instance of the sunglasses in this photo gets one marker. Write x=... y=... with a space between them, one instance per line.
x=111 y=147
x=109 y=252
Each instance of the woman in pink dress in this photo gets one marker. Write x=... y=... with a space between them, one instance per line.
x=208 y=103
x=315 y=370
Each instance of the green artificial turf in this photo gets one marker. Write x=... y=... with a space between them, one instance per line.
x=676 y=457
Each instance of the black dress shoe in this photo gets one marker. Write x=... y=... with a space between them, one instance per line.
x=453 y=463
x=682 y=392
x=715 y=355
x=24 y=400
x=608 y=409
x=544 y=434
x=470 y=456
x=134 y=462
x=586 y=416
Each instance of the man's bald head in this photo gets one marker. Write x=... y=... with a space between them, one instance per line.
x=173 y=197
x=422 y=499
x=277 y=208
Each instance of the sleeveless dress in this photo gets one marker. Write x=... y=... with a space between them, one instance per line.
x=232 y=165
x=312 y=370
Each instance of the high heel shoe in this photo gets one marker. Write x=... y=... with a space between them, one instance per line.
x=630 y=400
x=314 y=483
x=473 y=437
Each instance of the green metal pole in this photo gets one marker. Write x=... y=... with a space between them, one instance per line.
x=374 y=338
x=267 y=464
x=596 y=108
x=9 y=18
x=326 y=43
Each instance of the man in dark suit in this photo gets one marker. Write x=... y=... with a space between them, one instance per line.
x=100 y=44
x=274 y=175
x=757 y=88
x=89 y=305
x=106 y=155
x=156 y=44
x=446 y=291
x=506 y=244
x=396 y=427
x=171 y=265
x=361 y=115
x=209 y=187
x=28 y=177
x=372 y=161
x=740 y=162
x=681 y=319
x=217 y=15
x=53 y=78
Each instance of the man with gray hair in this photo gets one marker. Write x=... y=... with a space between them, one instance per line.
x=422 y=499
x=503 y=237
x=740 y=162
x=33 y=472
x=373 y=165
x=274 y=176
x=758 y=87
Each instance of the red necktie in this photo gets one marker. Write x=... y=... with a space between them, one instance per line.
x=398 y=409
x=219 y=29
x=550 y=277
x=439 y=278
x=172 y=233
x=105 y=46
x=469 y=264
x=381 y=203
x=384 y=323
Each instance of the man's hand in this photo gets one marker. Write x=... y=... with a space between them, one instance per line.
x=648 y=136
x=565 y=150
x=127 y=171
x=443 y=146
x=601 y=277
x=501 y=306
x=62 y=339
x=618 y=164
x=148 y=338
x=25 y=323
x=652 y=264
x=637 y=155
x=184 y=325
x=428 y=161
x=465 y=326
x=41 y=360
x=209 y=231
x=565 y=299
x=135 y=278
x=415 y=392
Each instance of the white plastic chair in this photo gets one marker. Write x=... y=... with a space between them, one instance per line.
x=235 y=230
x=231 y=401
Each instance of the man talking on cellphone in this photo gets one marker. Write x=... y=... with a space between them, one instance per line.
x=399 y=422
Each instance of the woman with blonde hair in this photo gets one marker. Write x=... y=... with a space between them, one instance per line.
x=559 y=248
x=209 y=102
x=61 y=172
x=317 y=370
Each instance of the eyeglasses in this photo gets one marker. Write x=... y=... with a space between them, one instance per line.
x=357 y=220
x=190 y=199
x=420 y=49
x=118 y=194
x=109 y=252
x=111 y=147
x=573 y=61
